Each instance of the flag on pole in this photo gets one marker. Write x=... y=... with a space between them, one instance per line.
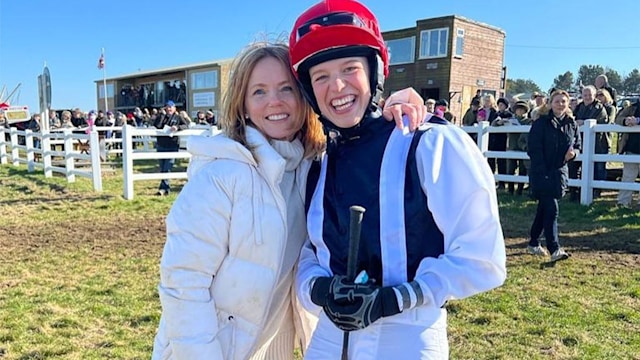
x=101 y=61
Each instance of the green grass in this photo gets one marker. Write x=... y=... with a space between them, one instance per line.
x=79 y=271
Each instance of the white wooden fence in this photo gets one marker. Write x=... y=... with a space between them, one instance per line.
x=587 y=155
x=129 y=154
x=42 y=156
x=146 y=137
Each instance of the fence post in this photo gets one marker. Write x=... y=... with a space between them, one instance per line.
x=28 y=141
x=127 y=161
x=46 y=152
x=483 y=137
x=3 y=146
x=15 y=154
x=587 y=151
x=96 y=170
x=68 y=159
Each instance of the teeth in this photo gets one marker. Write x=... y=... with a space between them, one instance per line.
x=276 y=117
x=343 y=101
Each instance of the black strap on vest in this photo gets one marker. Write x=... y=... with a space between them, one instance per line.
x=312 y=181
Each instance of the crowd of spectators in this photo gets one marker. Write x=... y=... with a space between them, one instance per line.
x=595 y=101
x=146 y=95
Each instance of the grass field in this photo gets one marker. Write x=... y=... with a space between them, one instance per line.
x=79 y=270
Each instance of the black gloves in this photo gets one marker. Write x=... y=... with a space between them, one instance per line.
x=353 y=306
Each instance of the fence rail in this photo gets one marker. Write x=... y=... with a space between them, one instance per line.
x=128 y=146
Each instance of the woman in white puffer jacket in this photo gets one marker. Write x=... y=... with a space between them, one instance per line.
x=235 y=230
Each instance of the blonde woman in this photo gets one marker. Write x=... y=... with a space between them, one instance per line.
x=553 y=142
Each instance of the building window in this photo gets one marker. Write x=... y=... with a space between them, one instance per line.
x=459 y=43
x=434 y=43
x=204 y=80
x=401 y=51
x=109 y=91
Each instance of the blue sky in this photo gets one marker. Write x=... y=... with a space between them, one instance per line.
x=544 y=38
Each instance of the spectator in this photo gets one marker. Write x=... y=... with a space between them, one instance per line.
x=171 y=122
x=518 y=142
x=498 y=141
x=66 y=121
x=629 y=144
x=469 y=117
x=431 y=105
x=400 y=315
x=477 y=96
x=186 y=118
x=34 y=125
x=101 y=119
x=590 y=108
x=210 y=118
x=442 y=110
x=553 y=142
x=200 y=119
x=78 y=119
x=610 y=108
x=602 y=82
x=573 y=104
x=54 y=121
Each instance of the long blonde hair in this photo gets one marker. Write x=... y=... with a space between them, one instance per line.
x=233 y=121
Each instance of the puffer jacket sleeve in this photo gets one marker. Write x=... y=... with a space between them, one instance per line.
x=197 y=232
x=461 y=195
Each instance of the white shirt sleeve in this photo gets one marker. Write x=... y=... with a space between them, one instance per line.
x=460 y=190
x=308 y=269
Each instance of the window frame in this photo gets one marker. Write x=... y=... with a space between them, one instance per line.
x=425 y=36
x=459 y=48
x=194 y=81
x=413 y=50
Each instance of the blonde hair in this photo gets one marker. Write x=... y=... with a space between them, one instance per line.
x=546 y=107
x=491 y=99
x=233 y=121
x=607 y=96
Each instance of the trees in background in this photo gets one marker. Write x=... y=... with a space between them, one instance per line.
x=586 y=75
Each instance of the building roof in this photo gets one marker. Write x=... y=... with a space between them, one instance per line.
x=458 y=17
x=171 y=69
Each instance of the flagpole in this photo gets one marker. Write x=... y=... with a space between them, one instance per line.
x=104 y=83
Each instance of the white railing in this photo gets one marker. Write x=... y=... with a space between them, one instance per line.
x=147 y=137
x=587 y=155
x=45 y=154
x=130 y=154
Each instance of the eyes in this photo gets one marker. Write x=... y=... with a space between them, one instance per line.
x=322 y=75
x=263 y=90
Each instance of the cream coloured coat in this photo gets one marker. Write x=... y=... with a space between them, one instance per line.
x=226 y=235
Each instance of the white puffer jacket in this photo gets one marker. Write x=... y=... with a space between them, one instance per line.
x=226 y=235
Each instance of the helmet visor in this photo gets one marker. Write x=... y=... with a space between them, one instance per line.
x=342 y=18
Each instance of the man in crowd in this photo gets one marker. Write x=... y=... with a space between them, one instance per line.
x=171 y=122
x=591 y=108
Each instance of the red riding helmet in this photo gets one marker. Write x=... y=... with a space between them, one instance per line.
x=333 y=29
x=332 y=24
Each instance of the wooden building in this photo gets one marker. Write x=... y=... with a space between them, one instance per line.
x=447 y=58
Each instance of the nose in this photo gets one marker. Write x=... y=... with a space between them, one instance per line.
x=275 y=98
x=337 y=83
